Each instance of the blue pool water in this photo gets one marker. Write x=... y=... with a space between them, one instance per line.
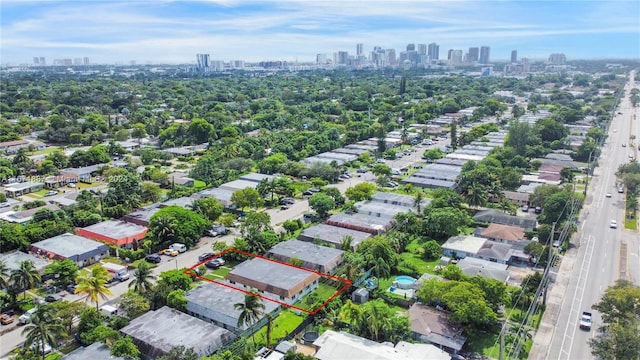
x=404 y=282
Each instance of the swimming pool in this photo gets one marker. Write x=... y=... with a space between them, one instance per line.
x=404 y=282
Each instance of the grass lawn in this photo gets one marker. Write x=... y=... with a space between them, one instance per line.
x=199 y=184
x=410 y=256
x=223 y=271
x=485 y=343
x=285 y=323
x=213 y=277
x=48 y=150
x=113 y=260
x=321 y=294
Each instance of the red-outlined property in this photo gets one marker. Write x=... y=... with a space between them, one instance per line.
x=347 y=283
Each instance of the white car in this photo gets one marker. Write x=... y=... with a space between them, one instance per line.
x=613 y=224
x=608 y=195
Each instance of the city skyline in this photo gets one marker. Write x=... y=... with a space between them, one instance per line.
x=167 y=31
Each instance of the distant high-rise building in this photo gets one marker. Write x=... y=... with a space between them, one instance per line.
x=456 y=57
x=359 y=49
x=43 y=62
x=514 y=56
x=203 y=62
x=422 y=49
x=433 y=51
x=411 y=47
x=77 y=61
x=36 y=61
x=321 y=59
x=85 y=61
x=557 y=59
x=484 y=54
x=342 y=58
x=67 y=62
x=450 y=54
x=473 y=55
x=391 y=57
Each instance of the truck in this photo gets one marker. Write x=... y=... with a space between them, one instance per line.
x=26 y=317
x=585 y=321
x=119 y=272
x=109 y=311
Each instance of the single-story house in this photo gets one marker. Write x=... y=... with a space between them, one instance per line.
x=143 y=215
x=239 y=185
x=14 y=190
x=332 y=345
x=502 y=233
x=487 y=269
x=518 y=198
x=56 y=181
x=181 y=151
x=366 y=223
x=184 y=202
x=222 y=195
x=157 y=332
x=95 y=351
x=82 y=173
x=80 y=250
x=181 y=179
x=13 y=259
x=24 y=216
x=499 y=217
x=13 y=145
x=397 y=199
x=114 y=232
x=333 y=235
x=277 y=281
x=314 y=257
x=463 y=246
x=432 y=326
x=214 y=303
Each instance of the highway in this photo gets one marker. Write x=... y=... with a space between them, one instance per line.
x=599 y=254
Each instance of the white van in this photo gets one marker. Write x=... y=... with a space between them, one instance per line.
x=26 y=317
x=109 y=310
x=178 y=247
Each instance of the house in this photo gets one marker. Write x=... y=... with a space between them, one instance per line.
x=432 y=326
x=463 y=246
x=82 y=173
x=181 y=179
x=222 y=195
x=143 y=215
x=332 y=345
x=13 y=259
x=24 y=216
x=407 y=201
x=11 y=147
x=80 y=250
x=157 y=332
x=366 y=223
x=517 y=198
x=95 y=351
x=333 y=235
x=487 y=269
x=114 y=232
x=499 y=217
x=14 y=190
x=502 y=233
x=313 y=257
x=183 y=202
x=214 y=303
x=181 y=151
x=277 y=281
x=434 y=176
x=55 y=181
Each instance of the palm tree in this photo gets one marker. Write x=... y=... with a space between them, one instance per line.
x=4 y=275
x=25 y=277
x=250 y=310
x=476 y=195
x=94 y=285
x=42 y=330
x=269 y=329
x=142 y=277
x=379 y=268
x=417 y=201
x=163 y=227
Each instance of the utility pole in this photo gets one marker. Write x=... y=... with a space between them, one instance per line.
x=548 y=267
x=501 y=355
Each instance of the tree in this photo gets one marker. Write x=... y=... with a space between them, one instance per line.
x=94 y=285
x=248 y=197
x=322 y=204
x=361 y=192
x=251 y=310
x=142 y=278
x=66 y=313
x=187 y=229
x=432 y=250
x=124 y=347
x=619 y=337
x=43 y=329
x=90 y=318
x=180 y=353
x=209 y=208
x=4 y=275
x=335 y=195
x=64 y=271
x=379 y=267
x=468 y=305
x=134 y=304
x=454 y=134
x=175 y=279
x=164 y=227
x=25 y=277
x=443 y=223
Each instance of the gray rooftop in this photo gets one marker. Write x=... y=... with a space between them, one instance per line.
x=430 y=183
x=13 y=259
x=184 y=202
x=239 y=185
x=157 y=332
x=499 y=217
x=256 y=177
x=221 y=299
x=379 y=209
x=22 y=185
x=361 y=222
x=71 y=246
x=323 y=160
x=222 y=195
x=116 y=229
x=332 y=234
x=271 y=274
x=306 y=251
x=143 y=214
x=393 y=198
x=95 y=351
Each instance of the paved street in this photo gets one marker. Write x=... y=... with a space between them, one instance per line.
x=599 y=255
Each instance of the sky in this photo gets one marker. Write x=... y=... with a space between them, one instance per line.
x=174 y=31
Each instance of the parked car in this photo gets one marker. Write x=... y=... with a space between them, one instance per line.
x=287 y=201
x=71 y=185
x=169 y=252
x=206 y=256
x=361 y=171
x=53 y=298
x=71 y=288
x=6 y=319
x=4 y=204
x=153 y=258
x=525 y=208
x=178 y=247
x=51 y=193
x=538 y=210
x=216 y=231
x=215 y=263
x=284 y=207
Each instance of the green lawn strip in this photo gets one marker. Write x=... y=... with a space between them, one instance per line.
x=113 y=260
x=284 y=324
x=48 y=150
x=631 y=224
x=485 y=343
x=322 y=294
x=213 y=277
